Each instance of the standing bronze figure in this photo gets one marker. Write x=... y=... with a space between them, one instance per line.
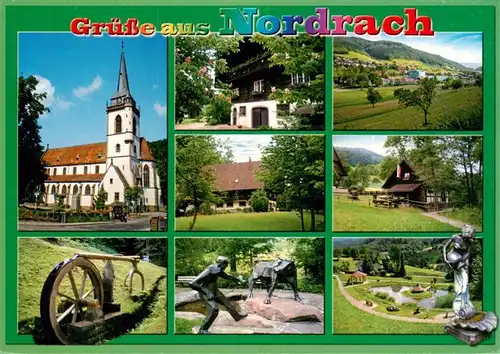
x=468 y=325
x=206 y=285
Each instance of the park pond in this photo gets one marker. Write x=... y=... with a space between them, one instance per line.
x=396 y=292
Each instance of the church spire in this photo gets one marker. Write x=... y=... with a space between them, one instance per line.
x=123 y=89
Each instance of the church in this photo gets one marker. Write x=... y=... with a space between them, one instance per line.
x=124 y=160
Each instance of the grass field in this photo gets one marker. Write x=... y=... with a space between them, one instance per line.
x=272 y=221
x=352 y=110
x=38 y=257
x=348 y=319
x=473 y=216
x=359 y=216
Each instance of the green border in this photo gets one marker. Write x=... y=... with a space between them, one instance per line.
x=328 y=342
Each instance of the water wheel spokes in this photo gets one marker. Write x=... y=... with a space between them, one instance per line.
x=72 y=289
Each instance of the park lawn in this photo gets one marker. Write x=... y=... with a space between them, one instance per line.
x=472 y=216
x=349 y=319
x=270 y=221
x=389 y=115
x=359 y=216
x=354 y=97
x=156 y=322
x=184 y=326
x=192 y=120
x=38 y=257
x=423 y=272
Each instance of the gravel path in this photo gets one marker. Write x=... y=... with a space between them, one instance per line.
x=437 y=216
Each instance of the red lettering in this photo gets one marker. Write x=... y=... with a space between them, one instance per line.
x=413 y=23
x=388 y=28
x=131 y=28
x=368 y=27
x=96 y=28
x=80 y=26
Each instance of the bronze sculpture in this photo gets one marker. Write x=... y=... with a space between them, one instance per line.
x=206 y=285
x=270 y=273
x=468 y=324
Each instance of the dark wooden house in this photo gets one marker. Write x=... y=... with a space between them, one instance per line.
x=405 y=184
x=252 y=80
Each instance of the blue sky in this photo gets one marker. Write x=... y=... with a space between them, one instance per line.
x=461 y=47
x=373 y=143
x=80 y=74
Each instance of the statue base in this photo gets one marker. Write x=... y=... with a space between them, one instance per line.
x=474 y=330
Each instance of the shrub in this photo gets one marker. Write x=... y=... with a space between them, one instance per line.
x=259 y=201
x=445 y=302
x=408 y=277
x=219 y=110
x=381 y=295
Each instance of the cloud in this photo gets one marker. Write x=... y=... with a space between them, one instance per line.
x=51 y=100
x=155 y=86
x=84 y=91
x=246 y=147
x=160 y=109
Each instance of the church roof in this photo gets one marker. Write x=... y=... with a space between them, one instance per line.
x=237 y=176
x=123 y=88
x=86 y=154
x=76 y=178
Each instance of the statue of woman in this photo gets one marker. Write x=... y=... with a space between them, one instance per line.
x=458 y=259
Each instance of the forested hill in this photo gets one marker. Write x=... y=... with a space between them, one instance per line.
x=388 y=50
x=384 y=244
x=358 y=155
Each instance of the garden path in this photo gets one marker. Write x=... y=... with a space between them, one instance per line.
x=437 y=216
x=362 y=306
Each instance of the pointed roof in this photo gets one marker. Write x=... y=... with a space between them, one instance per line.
x=337 y=165
x=123 y=88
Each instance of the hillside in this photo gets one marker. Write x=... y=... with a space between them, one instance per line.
x=390 y=51
x=359 y=155
x=37 y=257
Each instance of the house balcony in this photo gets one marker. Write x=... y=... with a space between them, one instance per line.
x=249 y=67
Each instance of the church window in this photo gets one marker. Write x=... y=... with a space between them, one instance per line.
x=135 y=150
x=118 y=124
x=55 y=171
x=93 y=190
x=75 y=189
x=134 y=126
x=53 y=190
x=146 y=176
x=97 y=169
x=87 y=189
x=117 y=196
x=111 y=181
x=85 y=170
x=64 y=170
x=74 y=170
x=117 y=147
x=64 y=191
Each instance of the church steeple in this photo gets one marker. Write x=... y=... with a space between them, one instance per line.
x=122 y=94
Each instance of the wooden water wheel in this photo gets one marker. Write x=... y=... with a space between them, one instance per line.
x=72 y=290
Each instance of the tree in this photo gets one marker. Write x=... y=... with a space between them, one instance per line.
x=259 y=201
x=31 y=175
x=294 y=166
x=358 y=178
x=219 y=110
x=456 y=84
x=309 y=254
x=421 y=97
x=373 y=96
x=402 y=269
x=300 y=54
x=159 y=149
x=198 y=60
x=195 y=180
x=133 y=194
x=100 y=199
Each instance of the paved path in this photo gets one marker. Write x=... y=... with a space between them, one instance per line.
x=362 y=306
x=140 y=224
x=437 y=216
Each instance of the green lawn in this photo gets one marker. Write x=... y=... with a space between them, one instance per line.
x=352 y=110
x=473 y=216
x=184 y=326
x=348 y=319
x=156 y=322
x=38 y=257
x=359 y=216
x=272 y=221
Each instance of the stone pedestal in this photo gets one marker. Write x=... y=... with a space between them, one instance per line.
x=474 y=330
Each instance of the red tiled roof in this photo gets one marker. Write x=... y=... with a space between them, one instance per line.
x=76 y=178
x=237 y=176
x=87 y=154
x=358 y=274
x=410 y=187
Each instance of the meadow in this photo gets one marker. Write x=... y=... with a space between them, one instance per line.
x=353 y=111
x=360 y=216
x=270 y=221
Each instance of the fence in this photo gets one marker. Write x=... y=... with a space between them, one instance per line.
x=391 y=202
